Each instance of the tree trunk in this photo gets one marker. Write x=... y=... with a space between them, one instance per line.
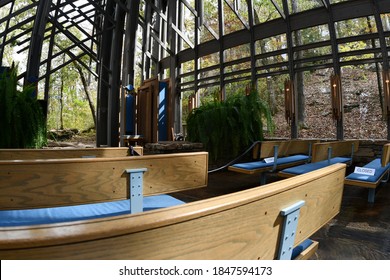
x=299 y=75
x=85 y=85
x=62 y=98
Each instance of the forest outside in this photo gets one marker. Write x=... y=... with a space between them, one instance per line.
x=72 y=86
x=362 y=106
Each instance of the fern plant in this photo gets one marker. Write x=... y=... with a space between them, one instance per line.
x=226 y=128
x=22 y=122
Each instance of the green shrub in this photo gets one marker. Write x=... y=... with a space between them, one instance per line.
x=226 y=128
x=22 y=122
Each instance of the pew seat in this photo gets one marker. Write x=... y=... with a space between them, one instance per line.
x=41 y=216
x=270 y=156
x=258 y=166
x=304 y=168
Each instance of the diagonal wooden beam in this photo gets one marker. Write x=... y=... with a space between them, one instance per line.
x=325 y=3
x=182 y=35
x=237 y=14
x=280 y=11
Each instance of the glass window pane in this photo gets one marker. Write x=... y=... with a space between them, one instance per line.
x=265 y=11
x=355 y=27
x=362 y=105
x=310 y=35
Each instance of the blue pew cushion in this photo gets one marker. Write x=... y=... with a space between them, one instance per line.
x=305 y=168
x=81 y=212
x=379 y=171
x=300 y=248
x=262 y=164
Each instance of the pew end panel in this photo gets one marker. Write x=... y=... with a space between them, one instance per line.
x=241 y=225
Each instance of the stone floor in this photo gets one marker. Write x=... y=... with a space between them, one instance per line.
x=361 y=231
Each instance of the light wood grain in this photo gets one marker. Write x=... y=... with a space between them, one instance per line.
x=57 y=182
x=339 y=149
x=15 y=154
x=300 y=146
x=308 y=252
x=385 y=159
x=241 y=225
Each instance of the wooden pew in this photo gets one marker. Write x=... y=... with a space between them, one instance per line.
x=243 y=225
x=270 y=156
x=14 y=154
x=380 y=166
x=121 y=183
x=324 y=154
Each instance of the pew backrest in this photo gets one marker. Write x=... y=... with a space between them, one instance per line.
x=322 y=151
x=25 y=154
x=265 y=149
x=58 y=182
x=300 y=146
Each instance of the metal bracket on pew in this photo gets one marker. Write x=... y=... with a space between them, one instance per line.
x=309 y=153
x=371 y=195
x=329 y=154
x=263 y=175
x=352 y=153
x=371 y=192
x=136 y=189
x=276 y=149
x=290 y=223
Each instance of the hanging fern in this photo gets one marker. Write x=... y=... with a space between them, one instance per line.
x=226 y=128
x=22 y=121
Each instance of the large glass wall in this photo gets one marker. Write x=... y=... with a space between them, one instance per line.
x=209 y=47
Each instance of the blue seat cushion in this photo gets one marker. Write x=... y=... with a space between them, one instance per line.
x=81 y=212
x=379 y=171
x=300 y=248
x=262 y=164
x=305 y=168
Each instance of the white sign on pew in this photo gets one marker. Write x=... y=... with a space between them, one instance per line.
x=269 y=160
x=365 y=171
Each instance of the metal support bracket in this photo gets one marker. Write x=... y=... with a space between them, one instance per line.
x=291 y=216
x=276 y=152
x=371 y=195
x=136 y=189
x=309 y=153
x=329 y=154
x=352 y=153
x=263 y=178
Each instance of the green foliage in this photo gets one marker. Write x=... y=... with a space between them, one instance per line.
x=22 y=123
x=226 y=128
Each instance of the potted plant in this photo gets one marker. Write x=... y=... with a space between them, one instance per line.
x=227 y=127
